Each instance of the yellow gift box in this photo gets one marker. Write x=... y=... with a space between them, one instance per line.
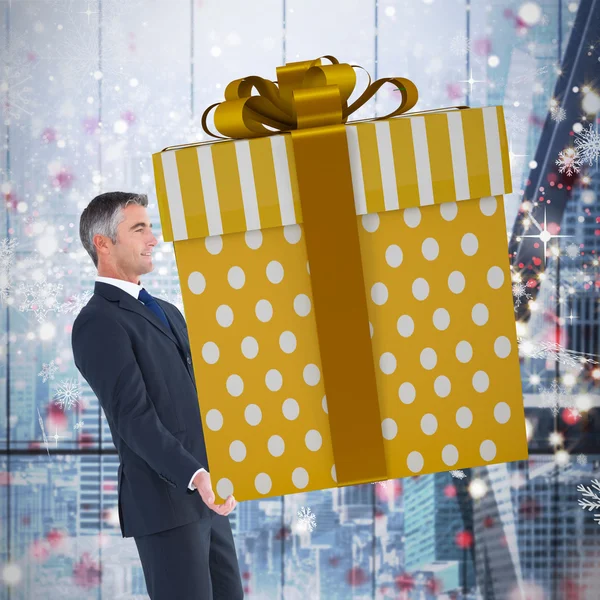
x=346 y=285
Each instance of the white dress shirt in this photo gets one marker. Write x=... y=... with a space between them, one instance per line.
x=134 y=289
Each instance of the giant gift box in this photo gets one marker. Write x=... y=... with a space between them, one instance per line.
x=346 y=285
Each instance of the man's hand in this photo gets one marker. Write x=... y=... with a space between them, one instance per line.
x=204 y=487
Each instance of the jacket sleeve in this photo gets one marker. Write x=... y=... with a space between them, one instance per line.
x=104 y=356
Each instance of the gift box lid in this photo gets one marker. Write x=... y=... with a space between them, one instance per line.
x=214 y=188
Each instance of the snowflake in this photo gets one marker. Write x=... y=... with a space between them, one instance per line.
x=556 y=397
x=48 y=371
x=75 y=303
x=588 y=145
x=582 y=459
x=78 y=425
x=519 y=291
x=458 y=474
x=67 y=394
x=7 y=251
x=306 y=518
x=518 y=124
x=558 y=114
x=594 y=498
x=460 y=45
x=568 y=161
x=17 y=62
x=40 y=298
x=572 y=250
x=553 y=351
x=545 y=20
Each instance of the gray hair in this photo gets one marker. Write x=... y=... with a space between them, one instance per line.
x=103 y=215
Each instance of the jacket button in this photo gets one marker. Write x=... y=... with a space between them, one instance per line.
x=189 y=360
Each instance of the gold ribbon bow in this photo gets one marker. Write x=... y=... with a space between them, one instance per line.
x=307 y=94
x=311 y=103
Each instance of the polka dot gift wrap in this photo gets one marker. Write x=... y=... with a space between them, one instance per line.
x=428 y=196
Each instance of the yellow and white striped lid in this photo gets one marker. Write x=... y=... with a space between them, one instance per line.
x=214 y=188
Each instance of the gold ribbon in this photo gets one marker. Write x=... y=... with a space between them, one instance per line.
x=311 y=102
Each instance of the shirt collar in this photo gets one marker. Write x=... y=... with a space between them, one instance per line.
x=133 y=289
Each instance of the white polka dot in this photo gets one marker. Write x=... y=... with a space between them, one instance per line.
x=274 y=272
x=464 y=417
x=236 y=278
x=480 y=314
x=469 y=244
x=324 y=404
x=430 y=249
x=456 y=282
x=394 y=256
x=253 y=414
x=442 y=386
x=290 y=409
x=196 y=282
x=428 y=358
x=262 y=483
x=441 y=319
x=224 y=488
x=412 y=216
x=450 y=455
x=502 y=346
x=287 y=342
x=224 y=315
x=253 y=239
x=292 y=233
x=488 y=205
x=213 y=244
x=237 y=450
x=464 y=351
x=313 y=440
x=481 y=381
x=389 y=429
x=302 y=305
x=407 y=392
x=487 y=450
x=379 y=293
x=420 y=288
x=405 y=326
x=387 y=363
x=249 y=347
x=415 y=461
x=429 y=424
x=263 y=310
x=214 y=419
x=311 y=374
x=210 y=353
x=300 y=477
x=370 y=222
x=333 y=474
x=273 y=380
x=495 y=277
x=235 y=385
x=276 y=445
x=448 y=210
x=502 y=412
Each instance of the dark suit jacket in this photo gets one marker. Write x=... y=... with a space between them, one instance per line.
x=143 y=377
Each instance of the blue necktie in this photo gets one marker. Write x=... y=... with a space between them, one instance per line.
x=154 y=306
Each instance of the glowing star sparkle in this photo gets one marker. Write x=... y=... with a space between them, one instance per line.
x=544 y=235
x=471 y=81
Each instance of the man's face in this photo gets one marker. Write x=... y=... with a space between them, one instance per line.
x=127 y=259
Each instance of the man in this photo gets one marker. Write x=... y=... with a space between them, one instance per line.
x=134 y=352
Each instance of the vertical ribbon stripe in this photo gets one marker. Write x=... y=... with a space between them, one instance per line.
x=340 y=304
